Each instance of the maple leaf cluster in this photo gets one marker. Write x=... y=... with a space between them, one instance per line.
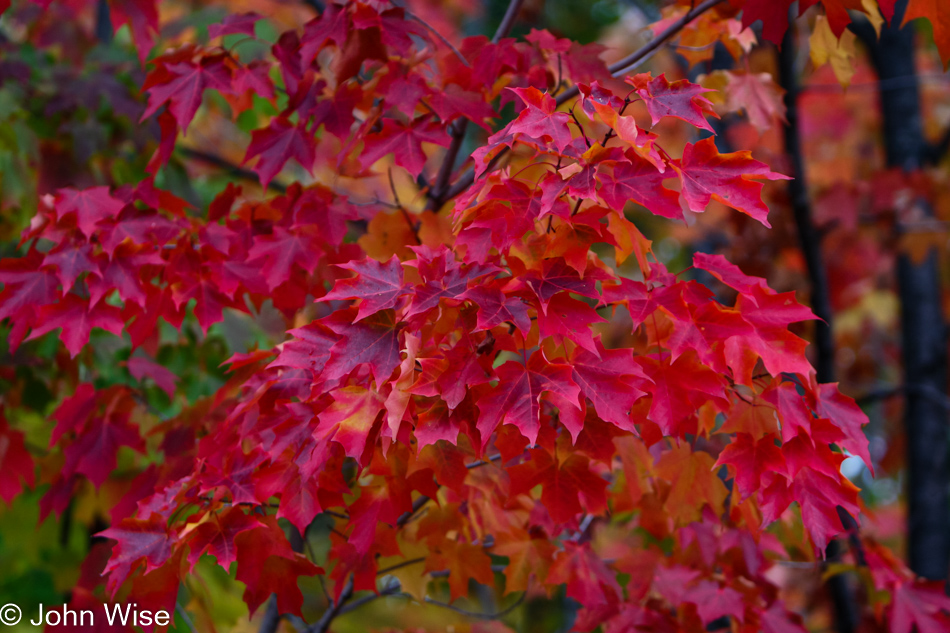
x=446 y=394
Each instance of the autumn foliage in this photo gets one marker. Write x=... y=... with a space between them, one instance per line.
x=445 y=410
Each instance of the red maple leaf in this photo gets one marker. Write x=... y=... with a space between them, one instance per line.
x=819 y=496
x=278 y=143
x=89 y=205
x=516 y=399
x=732 y=179
x=751 y=459
x=679 y=388
x=920 y=606
x=182 y=85
x=350 y=418
x=714 y=601
x=26 y=288
x=611 y=380
x=277 y=254
x=137 y=539
x=16 y=464
x=847 y=416
x=638 y=180
x=539 y=119
x=141 y=367
x=70 y=262
x=568 y=486
x=215 y=536
x=267 y=565
x=568 y=317
x=377 y=285
x=681 y=99
x=556 y=276
x=404 y=142
x=94 y=453
x=588 y=579
x=236 y=23
x=77 y=318
x=372 y=341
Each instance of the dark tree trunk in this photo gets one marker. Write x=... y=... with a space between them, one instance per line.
x=842 y=595
x=923 y=331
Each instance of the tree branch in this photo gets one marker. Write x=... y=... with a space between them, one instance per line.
x=926 y=391
x=514 y=7
x=441 y=37
x=480 y=616
x=323 y=624
x=440 y=192
x=627 y=63
x=416 y=506
x=232 y=170
x=104 y=31
x=271 y=617
x=845 y=608
x=394 y=590
x=618 y=68
x=936 y=151
x=185 y=618
x=316 y=5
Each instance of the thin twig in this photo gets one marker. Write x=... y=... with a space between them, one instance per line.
x=483 y=462
x=323 y=624
x=233 y=170
x=480 y=616
x=625 y=64
x=441 y=37
x=393 y=590
x=580 y=127
x=441 y=192
x=889 y=392
x=185 y=618
x=405 y=563
x=514 y=7
x=438 y=194
x=938 y=150
x=618 y=68
x=416 y=506
x=271 y=619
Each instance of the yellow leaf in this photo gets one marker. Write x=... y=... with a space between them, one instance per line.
x=412 y=577
x=694 y=483
x=828 y=49
x=873 y=12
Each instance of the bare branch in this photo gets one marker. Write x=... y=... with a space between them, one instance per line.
x=438 y=194
x=627 y=63
x=271 y=619
x=185 y=618
x=323 y=624
x=480 y=616
x=405 y=563
x=441 y=37
x=514 y=7
x=316 y=5
x=233 y=170
x=416 y=506
x=394 y=590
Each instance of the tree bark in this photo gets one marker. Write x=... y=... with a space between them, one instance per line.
x=923 y=329
x=842 y=594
